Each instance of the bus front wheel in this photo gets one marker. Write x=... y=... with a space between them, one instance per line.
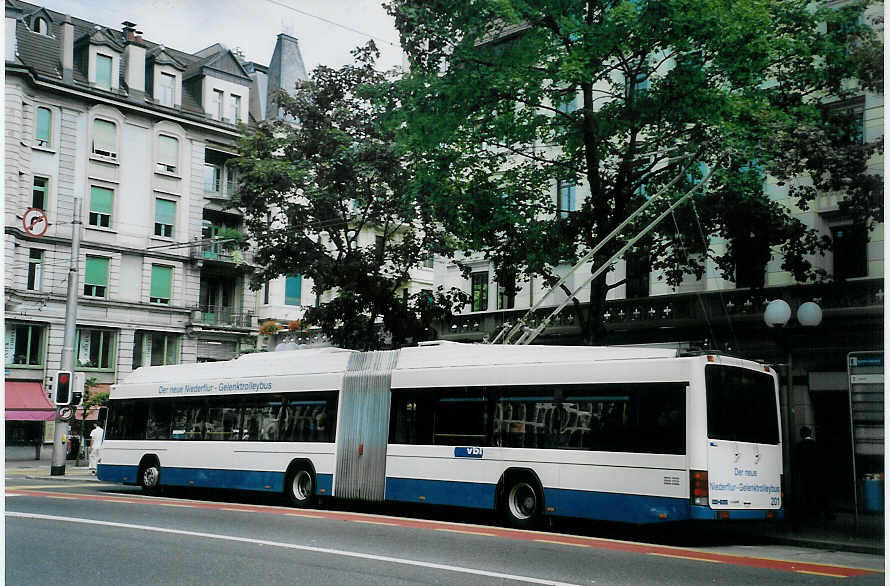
x=150 y=477
x=522 y=504
x=300 y=488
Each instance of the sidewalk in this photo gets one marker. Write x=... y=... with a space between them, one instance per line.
x=839 y=534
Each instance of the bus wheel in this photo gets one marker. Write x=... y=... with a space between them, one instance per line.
x=299 y=488
x=522 y=506
x=150 y=477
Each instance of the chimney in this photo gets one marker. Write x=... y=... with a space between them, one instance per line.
x=12 y=48
x=67 y=50
x=134 y=54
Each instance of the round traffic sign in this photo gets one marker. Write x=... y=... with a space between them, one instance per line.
x=65 y=412
x=34 y=222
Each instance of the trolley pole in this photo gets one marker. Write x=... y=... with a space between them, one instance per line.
x=58 y=462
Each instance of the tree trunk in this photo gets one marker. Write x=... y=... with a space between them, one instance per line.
x=594 y=328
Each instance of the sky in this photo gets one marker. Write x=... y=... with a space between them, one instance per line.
x=251 y=25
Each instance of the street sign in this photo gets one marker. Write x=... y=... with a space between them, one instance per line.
x=66 y=412
x=34 y=222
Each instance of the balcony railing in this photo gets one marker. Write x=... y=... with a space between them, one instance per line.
x=220 y=250
x=220 y=315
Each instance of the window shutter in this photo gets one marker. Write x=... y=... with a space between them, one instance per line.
x=103 y=136
x=160 y=281
x=44 y=117
x=165 y=212
x=293 y=289
x=97 y=271
x=168 y=150
x=100 y=200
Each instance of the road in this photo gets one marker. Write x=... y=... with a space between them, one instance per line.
x=90 y=533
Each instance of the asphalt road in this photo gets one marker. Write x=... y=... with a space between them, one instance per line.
x=90 y=533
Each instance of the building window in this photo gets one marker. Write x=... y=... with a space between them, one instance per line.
x=44 y=128
x=568 y=103
x=24 y=345
x=637 y=274
x=95 y=349
x=566 y=202
x=636 y=85
x=505 y=301
x=847 y=120
x=167 y=89
x=165 y=217
x=293 y=289
x=751 y=254
x=235 y=105
x=39 y=193
x=161 y=281
x=101 y=199
x=104 y=138
x=35 y=269
x=479 y=291
x=429 y=261
x=850 y=247
x=40 y=26
x=95 y=280
x=231 y=181
x=103 y=71
x=155 y=349
x=212 y=178
x=217 y=104
x=168 y=154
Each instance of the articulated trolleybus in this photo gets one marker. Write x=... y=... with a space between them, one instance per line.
x=630 y=434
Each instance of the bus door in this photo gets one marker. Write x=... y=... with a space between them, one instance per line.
x=744 y=447
x=363 y=429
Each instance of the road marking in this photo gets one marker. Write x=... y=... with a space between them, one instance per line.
x=66 y=485
x=370 y=522
x=821 y=574
x=294 y=546
x=561 y=542
x=237 y=510
x=686 y=557
x=466 y=532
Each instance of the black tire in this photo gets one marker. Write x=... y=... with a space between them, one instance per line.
x=522 y=504
x=150 y=477
x=299 y=488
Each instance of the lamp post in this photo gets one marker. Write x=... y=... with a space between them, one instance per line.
x=777 y=314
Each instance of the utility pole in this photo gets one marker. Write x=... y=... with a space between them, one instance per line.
x=58 y=462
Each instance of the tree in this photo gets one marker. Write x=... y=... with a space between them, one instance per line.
x=509 y=101
x=90 y=400
x=327 y=194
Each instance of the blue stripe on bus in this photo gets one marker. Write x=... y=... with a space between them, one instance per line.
x=440 y=492
x=700 y=513
x=115 y=473
x=211 y=478
x=607 y=506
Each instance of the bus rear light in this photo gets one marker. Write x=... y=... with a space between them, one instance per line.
x=770 y=514
x=698 y=487
x=723 y=515
x=711 y=358
x=782 y=488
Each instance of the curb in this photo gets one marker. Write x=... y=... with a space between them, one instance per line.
x=815 y=543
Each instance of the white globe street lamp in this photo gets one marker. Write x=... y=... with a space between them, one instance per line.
x=809 y=314
x=777 y=313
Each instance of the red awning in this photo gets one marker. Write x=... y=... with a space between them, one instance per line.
x=26 y=401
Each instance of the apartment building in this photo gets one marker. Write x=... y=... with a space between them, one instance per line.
x=137 y=135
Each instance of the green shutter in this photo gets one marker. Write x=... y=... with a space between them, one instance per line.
x=165 y=212
x=97 y=271
x=100 y=200
x=293 y=289
x=160 y=281
x=43 y=124
x=168 y=150
x=103 y=136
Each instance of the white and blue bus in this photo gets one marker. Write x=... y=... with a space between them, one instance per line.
x=630 y=434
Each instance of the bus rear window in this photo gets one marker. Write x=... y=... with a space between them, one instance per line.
x=741 y=405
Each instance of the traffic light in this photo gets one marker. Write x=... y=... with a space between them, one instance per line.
x=63 y=387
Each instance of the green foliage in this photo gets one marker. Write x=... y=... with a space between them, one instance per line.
x=327 y=193
x=660 y=87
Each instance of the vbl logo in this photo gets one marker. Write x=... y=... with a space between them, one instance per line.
x=468 y=452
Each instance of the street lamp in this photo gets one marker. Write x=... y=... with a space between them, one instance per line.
x=777 y=314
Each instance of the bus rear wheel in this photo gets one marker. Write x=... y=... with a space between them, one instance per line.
x=150 y=477
x=522 y=504
x=299 y=488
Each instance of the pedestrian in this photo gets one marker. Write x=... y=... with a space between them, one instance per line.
x=810 y=486
x=96 y=438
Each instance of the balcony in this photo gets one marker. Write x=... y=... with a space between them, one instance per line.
x=222 y=316
x=221 y=250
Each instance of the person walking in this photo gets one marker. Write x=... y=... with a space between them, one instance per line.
x=96 y=438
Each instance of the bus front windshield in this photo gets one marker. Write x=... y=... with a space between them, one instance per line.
x=741 y=405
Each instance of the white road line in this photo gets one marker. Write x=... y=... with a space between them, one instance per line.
x=323 y=550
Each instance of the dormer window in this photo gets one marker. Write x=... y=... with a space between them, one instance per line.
x=235 y=108
x=166 y=89
x=103 y=71
x=41 y=26
x=217 y=105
